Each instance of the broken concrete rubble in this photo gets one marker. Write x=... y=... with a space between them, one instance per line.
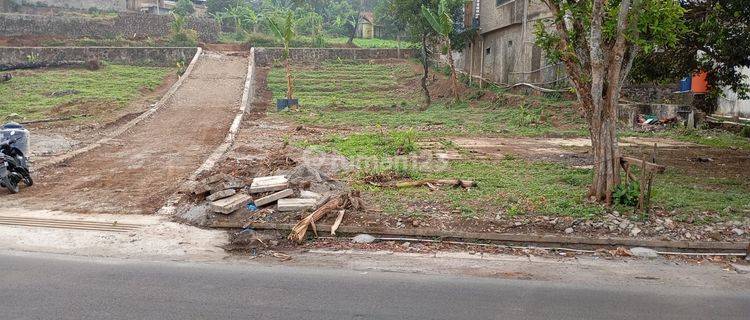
x=273 y=197
x=266 y=184
x=221 y=194
x=231 y=204
x=295 y=204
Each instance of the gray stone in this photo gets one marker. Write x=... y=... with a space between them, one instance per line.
x=644 y=252
x=635 y=231
x=569 y=230
x=741 y=268
x=230 y=183
x=363 y=238
x=309 y=195
x=738 y=231
x=221 y=194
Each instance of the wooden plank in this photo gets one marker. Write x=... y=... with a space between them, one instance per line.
x=295 y=204
x=231 y=204
x=273 y=197
x=507 y=237
x=651 y=167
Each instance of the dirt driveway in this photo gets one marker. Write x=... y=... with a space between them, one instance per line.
x=136 y=172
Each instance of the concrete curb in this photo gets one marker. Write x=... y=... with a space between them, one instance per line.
x=221 y=150
x=129 y=125
x=694 y=246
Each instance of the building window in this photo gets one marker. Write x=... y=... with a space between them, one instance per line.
x=502 y=2
x=487 y=51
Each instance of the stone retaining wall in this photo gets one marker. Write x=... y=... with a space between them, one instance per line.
x=125 y=24
x=14 y=57
x=266 y=56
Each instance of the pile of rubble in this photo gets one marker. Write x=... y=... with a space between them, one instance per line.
x=300 y=189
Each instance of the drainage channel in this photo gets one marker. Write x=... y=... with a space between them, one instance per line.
x=69 y=224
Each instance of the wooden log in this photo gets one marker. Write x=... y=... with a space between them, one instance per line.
x=652 y=167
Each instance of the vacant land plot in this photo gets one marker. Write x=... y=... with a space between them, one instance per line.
x=44 y=93
x=528 y=154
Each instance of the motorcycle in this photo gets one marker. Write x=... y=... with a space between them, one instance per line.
x=14 y=167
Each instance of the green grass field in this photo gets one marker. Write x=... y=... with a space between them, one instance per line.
x=33 y=93
x=373 y=99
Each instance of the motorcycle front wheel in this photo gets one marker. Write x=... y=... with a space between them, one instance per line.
x=11 y=186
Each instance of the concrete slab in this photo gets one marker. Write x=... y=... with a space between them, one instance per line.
x=273 y=197
x=295 y=204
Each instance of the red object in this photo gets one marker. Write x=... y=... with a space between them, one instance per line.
x=699 y=84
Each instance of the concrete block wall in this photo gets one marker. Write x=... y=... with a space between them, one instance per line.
x=10 y=57
x=125 y=24
x=266 y=56
x=105 y=5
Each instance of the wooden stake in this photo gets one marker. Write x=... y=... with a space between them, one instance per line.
x=642 y=185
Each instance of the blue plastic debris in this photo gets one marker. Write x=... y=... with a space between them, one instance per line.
x=251 y=207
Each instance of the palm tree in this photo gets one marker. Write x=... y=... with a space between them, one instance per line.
x=442 y=23
x=285 y=32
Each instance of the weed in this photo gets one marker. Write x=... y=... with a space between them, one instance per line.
x=627 y=193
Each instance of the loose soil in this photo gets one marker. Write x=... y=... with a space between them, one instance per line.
x=136 y=172
x=57 y=137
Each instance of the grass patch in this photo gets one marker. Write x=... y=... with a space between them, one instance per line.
x=31 y=94
x=378 y=144
x=711 y=138
x=508 y=187
x=372 y=99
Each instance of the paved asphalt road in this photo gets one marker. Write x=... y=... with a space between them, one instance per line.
x=48 y=287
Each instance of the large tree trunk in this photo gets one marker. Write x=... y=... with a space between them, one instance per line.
x=425 y=74
x=454 y=77
x=606 y=153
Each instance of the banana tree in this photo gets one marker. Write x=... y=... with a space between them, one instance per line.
x=442 y=23
x=285 y=32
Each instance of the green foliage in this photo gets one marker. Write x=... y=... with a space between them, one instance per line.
x=180 y=36
x=284 y=30
x=184 y=8
x=32 y=58
x=440 y=21
x=217 y=6
x=654 y=24
x=718 y=29
x=627 y=193
x=745 y=132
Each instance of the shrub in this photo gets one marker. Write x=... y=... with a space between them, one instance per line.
x=184 y=8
